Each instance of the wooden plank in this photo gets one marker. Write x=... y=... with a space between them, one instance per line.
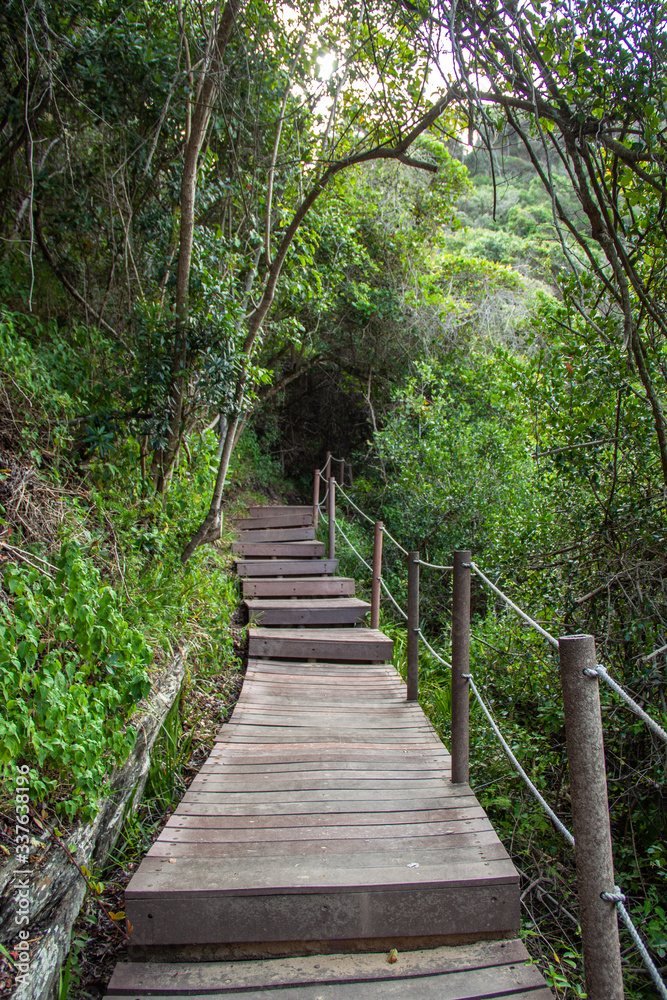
x=332 y=586
x=276 y=821
x=339 y=643
x=251 y=832
x=324 y=915
x=303 y=878
x=274 y=521
x=278 y=510
x=218 y=805
x=191 y=876
x=234 y=772
x=286 y=567
x=335 y=611
x=455 y=986
x=219 y=848
x=462 y=969
x=284 y=550
x=297 y=534
x=420 y=988
x=184 y=977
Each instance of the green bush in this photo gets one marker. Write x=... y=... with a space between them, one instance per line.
x=71 y=670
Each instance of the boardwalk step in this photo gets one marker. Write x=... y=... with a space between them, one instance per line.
x=309 y=586
x=463 y=971
x=298 y=534
x=286 y=567
x=285 y=550
x=335 y=611
x=279 y=851
x=286 y=520
x=324 y=821
x=278 y=511
x=321 y=644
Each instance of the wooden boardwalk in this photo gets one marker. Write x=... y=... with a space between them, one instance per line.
x=323 y=829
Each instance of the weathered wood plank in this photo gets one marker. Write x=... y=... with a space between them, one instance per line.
x=135 y=977
x=284 y=550
x=273 y=835
x=297 y=534
x=274 y=521
x=220 y=848
x=192 y=876
x=325 y=915
x=278 y=511
x=306 y=611
x=421 y=988
x=459 y=986
x=286 y=567
x=332 y=586
x=338 y=643
x=277 y=821
x=458 y=980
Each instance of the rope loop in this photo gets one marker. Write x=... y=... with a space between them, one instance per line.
x=613 y=897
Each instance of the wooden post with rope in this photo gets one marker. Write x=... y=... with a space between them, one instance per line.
x=413 y=626
x=460 y=667
x=377 y=574
x=316 y=498
x=590 y=817
x=331 y=514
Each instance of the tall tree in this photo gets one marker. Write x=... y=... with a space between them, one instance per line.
x=583 y=88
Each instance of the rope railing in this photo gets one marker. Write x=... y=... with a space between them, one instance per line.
x=601 y=671
x=370 y=568
x=654 y=726
x=522 y=614
x=617 y=896
x=357 y=554
x=393 y=599
x=353 y=504
x=517 y=766
x=432 y=650
x=607 y=952
x=391 y=538
x=422 y=562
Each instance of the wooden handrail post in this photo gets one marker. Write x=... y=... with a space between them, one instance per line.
x=316 y=497
x=331 y=514
x=327 y=467
x=460 y=667
x=341 y=472
x=377 y=574
x=413 y=626
x=590 y=816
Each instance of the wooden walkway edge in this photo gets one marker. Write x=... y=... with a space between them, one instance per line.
x=324 y=829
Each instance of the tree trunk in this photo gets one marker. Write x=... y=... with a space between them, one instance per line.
x=164 y=457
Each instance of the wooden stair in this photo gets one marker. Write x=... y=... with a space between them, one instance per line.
x=298 y=586
x=275 y=521
x=286 y=567
x=307 y=611
x=273 y=550
x=494 y=969
x=323 y=825
x=295 y=534
x=320 y=644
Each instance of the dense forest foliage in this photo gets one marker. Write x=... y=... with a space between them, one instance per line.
x=430 y=239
